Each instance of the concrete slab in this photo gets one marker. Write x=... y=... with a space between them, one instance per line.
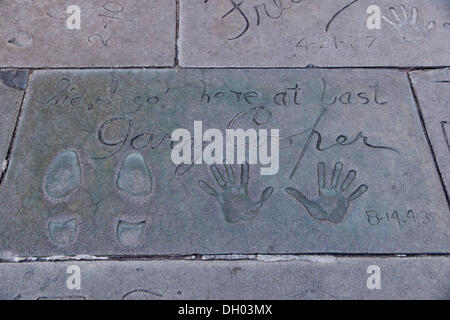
x=12 y=88
x=433 y=93
x=112 y=33
x=306 y=278
x=326 y=33
x=92 y=168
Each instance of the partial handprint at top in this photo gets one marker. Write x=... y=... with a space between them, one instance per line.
x=233 y=197
x=447 y=26
x=407 y=28
x=332 y=204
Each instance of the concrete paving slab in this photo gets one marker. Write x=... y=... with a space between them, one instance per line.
x=12 y=88
x=92 y=169
x=433 y=93
x=306 y=278
x=326 y=33
x=112 y=33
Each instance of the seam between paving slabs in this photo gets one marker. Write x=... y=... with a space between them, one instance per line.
x=177 y=33
x=11 y=143
x=401 y=68
x=220 y=257
x=422 y=121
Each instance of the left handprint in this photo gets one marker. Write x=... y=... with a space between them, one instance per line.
x=233 y=197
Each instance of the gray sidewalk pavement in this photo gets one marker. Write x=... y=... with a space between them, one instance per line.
x=326 y=33
x=345 y=102
x=129 y=34
x=323 y=277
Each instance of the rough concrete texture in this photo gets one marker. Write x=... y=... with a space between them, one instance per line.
x=91 y=170
x=433 y=94
x=112 y=33
x=326 y=33
x=312 y=277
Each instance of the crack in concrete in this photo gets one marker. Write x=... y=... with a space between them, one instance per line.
x=325 y=258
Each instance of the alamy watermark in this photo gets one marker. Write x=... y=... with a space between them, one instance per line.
x=374 y=280
x=211 y=147
x=73 y=282
x=374 y=19
x=73 y=21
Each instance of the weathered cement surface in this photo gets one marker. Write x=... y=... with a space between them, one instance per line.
x=308 y=278
x=12 y=86
x=112 y=33
x=91 y=169
x=433 y=93
x=287 y=33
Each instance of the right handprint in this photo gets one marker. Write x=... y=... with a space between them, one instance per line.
x=332 y=203
x=408 y=28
